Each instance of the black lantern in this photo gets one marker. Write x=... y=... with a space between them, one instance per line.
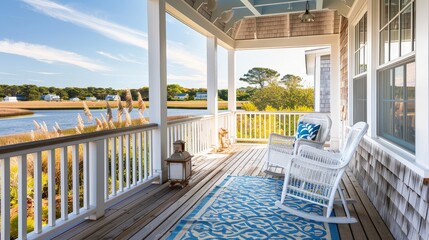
x=179 y=165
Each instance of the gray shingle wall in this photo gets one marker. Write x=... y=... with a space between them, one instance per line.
x=325 y=86
x=288 y=25
x=344 y=65
x=398 y=194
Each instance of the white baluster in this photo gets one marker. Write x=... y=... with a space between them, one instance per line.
x=139 y=147
x=5 y=194
x=75 y=172
x=127 y=160
x=121 y=163
x=37 y=157
x=86 y=175
x=113 y=165
x=64 y=183
x=22 y=197
x=51 y=188
x=134 y=159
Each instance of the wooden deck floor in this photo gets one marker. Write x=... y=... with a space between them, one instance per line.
x=153 y=213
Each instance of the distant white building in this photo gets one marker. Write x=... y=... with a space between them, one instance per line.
x=51 y=97
x=201 y=95
x=75 y=99
x=10 y=99
x=181 y=96
x=91 y=99
x=112 y=98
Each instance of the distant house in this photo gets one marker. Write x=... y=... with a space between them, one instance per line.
x=181 y=96
x=51 y=97
x=21 y=97
x=75 y=99
x=10 y=99
x=201 y=95
x=112 y=98
x=91 y=99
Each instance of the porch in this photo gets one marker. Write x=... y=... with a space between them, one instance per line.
x=153 y=212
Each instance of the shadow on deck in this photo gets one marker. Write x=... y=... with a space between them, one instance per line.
x=153 y=212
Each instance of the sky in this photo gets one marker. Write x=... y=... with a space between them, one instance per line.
x=66 y=43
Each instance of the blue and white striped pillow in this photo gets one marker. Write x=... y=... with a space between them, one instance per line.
x=307 y=131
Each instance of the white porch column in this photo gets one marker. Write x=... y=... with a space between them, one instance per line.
x=212 y=102
x=371 y=77
x=335 y=95
x=158 y=83
x=232 y=94
x=422 y=83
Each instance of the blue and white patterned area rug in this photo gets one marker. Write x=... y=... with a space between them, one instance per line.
x=243 y=208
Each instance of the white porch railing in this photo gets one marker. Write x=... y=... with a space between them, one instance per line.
x=257 y=126
x=95 y=170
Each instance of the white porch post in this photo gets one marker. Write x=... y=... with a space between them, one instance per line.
x=335 y=95
x=371 y=77
x=158 y=83
x=232 y=94
x=212 y=102
x=422 y=84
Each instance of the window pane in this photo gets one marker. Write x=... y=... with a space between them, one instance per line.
x=404 y=3
x=384 y=46
x=411 y=81
x=394 y=8
x=399 y=83
x=406 y=31
x=365 y=28
x=394 y=39
x=362 y=67
x=410 y=127
x=359 y=100
x=361 y=33
x=384 y=13
x=396 y=105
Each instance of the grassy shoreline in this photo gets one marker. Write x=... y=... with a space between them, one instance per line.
x=44 y=105
x=13 y=112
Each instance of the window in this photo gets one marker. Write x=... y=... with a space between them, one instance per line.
x=396 y=83
x=359 y=81
x=397 y=87
x=361 y=46
x=397 y=29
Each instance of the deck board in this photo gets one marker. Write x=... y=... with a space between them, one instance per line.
x=153 y=212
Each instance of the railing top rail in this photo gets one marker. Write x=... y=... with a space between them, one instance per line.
x=84 y=137
x=262 y=112
x=190 y=119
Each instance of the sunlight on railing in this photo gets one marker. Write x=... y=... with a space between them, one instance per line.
x=257 y=126
x=52 y=184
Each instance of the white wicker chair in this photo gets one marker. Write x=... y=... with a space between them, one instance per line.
x=314 y=175
x=278 y=144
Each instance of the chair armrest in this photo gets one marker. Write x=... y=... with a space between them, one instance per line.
x=277 y=138
x=301 y=142
x=321 y=158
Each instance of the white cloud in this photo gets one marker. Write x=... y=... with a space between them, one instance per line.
x=45 y=73
x=49 y=55
x=5 y=73
x=176 y=54
x=120 y=57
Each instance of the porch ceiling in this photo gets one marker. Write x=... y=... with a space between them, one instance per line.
x=229 y=15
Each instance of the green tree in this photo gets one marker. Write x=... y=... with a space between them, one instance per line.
x=272 y=95
x=260 y=76
x=223 y=94
x=291 y=81
x=172 y=90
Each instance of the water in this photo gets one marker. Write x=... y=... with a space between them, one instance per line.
x=68 y=118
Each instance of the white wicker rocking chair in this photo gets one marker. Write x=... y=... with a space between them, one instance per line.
x=314 y=175
x=279 y=145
